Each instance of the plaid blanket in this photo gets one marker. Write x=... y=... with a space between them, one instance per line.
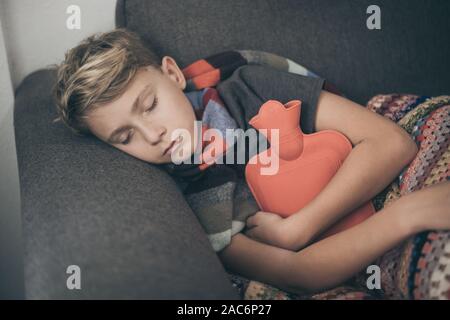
x=419 y=268
x=218 y=194
x=208 y=72
x=205 y=74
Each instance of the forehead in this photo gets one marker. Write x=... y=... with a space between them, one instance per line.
x=103 y=119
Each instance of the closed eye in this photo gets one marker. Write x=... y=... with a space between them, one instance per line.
x=130 y=135
x=128 y=139
x=154 y=104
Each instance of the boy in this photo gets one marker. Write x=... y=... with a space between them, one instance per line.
x=114 y=88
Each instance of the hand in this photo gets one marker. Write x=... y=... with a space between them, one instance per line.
x=269 y=228
x=427 y=208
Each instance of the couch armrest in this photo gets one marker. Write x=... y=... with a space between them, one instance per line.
x=121 y=220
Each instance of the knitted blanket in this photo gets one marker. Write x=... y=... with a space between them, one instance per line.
x=419 y=268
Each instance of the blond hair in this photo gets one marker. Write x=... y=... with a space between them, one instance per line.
x=97 y=71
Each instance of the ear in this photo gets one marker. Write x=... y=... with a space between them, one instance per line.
x=171 y=69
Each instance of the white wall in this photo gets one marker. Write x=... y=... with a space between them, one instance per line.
x=6 y=93
x=10 y=235
x=36 y=34
x=33 y=35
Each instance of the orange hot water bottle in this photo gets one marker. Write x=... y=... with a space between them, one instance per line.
x=307 y=162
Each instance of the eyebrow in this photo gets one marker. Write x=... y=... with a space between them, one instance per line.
x=112 y=138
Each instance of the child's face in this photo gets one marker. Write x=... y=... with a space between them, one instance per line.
x=161 y=108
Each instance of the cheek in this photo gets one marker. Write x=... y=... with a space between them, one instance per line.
x=133 y=151
x=142 y=152
x=177 y=112
x=189 y=113
x=185 y=116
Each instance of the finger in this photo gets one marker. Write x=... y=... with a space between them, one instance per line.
x=266 y=214
x=258 y=218
x=250 y=233
x=251 y=221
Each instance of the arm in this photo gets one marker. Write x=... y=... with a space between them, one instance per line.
x=323 y=264
x=381 y=149
x=331 y=261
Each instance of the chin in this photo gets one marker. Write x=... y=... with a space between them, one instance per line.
x=186 y=155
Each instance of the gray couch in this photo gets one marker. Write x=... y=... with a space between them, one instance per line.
x=122 y=220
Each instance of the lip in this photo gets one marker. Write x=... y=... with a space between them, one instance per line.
x=168 y=148
x=174 y=142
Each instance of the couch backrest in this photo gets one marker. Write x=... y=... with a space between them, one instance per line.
x=409 y=54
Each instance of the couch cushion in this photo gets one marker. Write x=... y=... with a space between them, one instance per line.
x=409 y=54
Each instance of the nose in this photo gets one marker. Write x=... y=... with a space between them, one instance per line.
x=154 y=134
